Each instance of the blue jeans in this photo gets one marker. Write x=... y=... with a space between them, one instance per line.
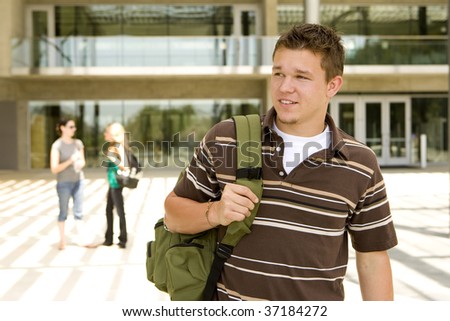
x=65 y=191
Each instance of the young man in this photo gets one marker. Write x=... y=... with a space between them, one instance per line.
x=319 y=185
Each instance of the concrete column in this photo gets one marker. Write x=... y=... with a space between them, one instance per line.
x=270 y=18
x=8 y=135
x=23 y=136
x=11 y=26
x=423 y=150
x=312 y=11
x=14 y=135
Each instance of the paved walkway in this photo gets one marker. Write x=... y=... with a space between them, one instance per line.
x=32 y=269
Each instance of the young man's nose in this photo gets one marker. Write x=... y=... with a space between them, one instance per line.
x=286 y=85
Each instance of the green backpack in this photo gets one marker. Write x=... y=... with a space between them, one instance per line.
x=188 y=266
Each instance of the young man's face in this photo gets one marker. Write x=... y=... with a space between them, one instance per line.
x=300 y=92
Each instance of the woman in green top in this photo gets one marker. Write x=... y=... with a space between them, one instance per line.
x=115 y=135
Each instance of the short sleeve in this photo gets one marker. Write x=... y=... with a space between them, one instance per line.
x=198 y=181
x=371 y=226
x=56 y=145
x=79 y=144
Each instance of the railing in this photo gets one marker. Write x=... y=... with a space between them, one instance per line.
x=129 y=51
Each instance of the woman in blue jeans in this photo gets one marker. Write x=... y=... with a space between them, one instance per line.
x=67 y=161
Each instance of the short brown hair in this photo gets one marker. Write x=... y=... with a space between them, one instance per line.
x=320 y=40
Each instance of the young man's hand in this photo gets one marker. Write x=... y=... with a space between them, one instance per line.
x=235 y=205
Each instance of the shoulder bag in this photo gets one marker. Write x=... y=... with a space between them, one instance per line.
x=129 y=179
x=188 y=267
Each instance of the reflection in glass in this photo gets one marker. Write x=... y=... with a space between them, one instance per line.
x=372 y=19
x=373 y=127
x=144 y=20
x=429 y=117
x=398 y=130
x=248 y=23
x=40 y=39
x=347 y=117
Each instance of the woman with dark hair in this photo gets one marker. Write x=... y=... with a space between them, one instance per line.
x=67 y=161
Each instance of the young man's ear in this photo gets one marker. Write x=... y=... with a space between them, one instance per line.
x=334 y=85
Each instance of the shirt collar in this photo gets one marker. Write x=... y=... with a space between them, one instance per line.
x=338 y=145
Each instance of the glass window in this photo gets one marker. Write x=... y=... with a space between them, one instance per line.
x=289 y=15
x=347 y=117
x=162 y=132
x=143 y=20
x=44 y=117
x=386 y=20
x=429 y=117
x=397 y=129
x=373 y=19
x=40 y=33
x=373 y=127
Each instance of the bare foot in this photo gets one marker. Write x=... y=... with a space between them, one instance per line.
x=91 y=246
x=61 y=246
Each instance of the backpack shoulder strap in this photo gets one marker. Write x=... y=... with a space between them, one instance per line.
x=248 y=173
x=249 y=170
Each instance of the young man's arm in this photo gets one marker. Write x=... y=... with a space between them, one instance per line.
x=184 y=215
x=375 y=276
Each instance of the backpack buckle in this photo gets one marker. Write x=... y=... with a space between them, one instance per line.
x=249 y=173
x=224 y=251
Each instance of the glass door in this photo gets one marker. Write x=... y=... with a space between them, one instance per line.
x=347 y=115
x=40 y=30
x=388 y=129
x=399 y=145
x=373 y=125
x=383 y=123
x=247 y=25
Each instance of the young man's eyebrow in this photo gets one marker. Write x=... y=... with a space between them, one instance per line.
x=297 y=71
x=303 y=72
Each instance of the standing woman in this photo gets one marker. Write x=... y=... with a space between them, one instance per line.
x=67 y=161
x=115 y=136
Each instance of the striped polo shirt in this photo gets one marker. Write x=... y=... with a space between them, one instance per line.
x=298 y=245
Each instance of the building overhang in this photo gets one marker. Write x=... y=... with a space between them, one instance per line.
x=397 y=78
x=161 y=71
x=242 y=81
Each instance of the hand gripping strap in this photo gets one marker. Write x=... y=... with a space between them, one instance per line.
x=249 y=173
x=249 y=162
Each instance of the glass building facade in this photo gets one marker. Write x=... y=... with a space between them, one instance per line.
x=191 y=35
x=379 y=20
x=158 y=40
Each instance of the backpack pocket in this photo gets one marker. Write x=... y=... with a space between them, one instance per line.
x=179 y=264
x=188 y=266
